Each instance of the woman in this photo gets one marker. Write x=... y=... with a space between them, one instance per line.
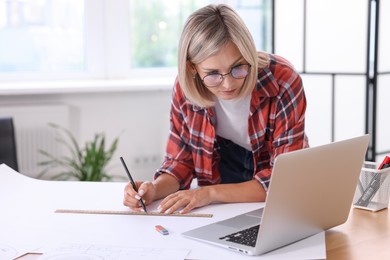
x=233 y=111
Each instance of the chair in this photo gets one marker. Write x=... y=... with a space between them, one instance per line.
x=8 y=143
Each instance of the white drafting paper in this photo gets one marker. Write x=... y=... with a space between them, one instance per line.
x=28 y=218
x=107 y=252
x=14 y=250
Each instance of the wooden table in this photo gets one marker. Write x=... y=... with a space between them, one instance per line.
x=365 y=235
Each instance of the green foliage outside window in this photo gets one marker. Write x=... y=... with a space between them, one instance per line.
x=155 y=30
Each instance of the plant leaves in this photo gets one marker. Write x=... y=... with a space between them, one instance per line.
x=84 y=164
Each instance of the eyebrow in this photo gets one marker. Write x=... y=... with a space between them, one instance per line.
x=232 y=65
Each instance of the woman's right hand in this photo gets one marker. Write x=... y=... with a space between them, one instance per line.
x=146 y=192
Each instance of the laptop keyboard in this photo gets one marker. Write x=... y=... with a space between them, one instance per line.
x=246 y=237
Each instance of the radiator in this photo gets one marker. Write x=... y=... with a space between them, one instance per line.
x=33 y=133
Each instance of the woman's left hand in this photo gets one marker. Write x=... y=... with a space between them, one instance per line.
x=185 y=200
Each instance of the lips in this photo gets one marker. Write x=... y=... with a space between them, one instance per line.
x=228 y=93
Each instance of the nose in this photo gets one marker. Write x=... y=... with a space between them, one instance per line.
x=227 y=81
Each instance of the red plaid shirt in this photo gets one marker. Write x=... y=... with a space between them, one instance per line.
x=276 y=125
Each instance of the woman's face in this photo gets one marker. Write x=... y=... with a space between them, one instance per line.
x=223 y=62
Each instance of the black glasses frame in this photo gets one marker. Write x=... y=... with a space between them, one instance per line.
x=222 y=76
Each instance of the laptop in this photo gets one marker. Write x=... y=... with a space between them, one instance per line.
x=311 y=190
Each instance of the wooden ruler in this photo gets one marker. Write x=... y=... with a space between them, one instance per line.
x=123 y=212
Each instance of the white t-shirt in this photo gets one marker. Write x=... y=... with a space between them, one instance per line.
x=232 y=120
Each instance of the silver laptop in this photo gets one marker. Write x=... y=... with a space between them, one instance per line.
x=311 y=190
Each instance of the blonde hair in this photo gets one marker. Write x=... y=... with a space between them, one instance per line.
x=206 y=32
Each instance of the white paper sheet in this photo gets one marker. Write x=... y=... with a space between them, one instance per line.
x=14 y=250
x=27 y=217
x=109 y=252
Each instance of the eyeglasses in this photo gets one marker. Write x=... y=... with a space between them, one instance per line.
x=237 y=72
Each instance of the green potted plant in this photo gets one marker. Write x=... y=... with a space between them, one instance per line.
x=83 y=164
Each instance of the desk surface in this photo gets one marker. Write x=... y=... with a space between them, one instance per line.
x=366 y=235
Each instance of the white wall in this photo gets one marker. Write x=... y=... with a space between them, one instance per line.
x=140 y=118
x=335 y=44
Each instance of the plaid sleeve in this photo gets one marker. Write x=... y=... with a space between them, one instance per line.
x=178 y=160
x=286 y=116
x=289 y=127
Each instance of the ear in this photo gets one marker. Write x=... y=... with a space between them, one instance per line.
x=191 y=68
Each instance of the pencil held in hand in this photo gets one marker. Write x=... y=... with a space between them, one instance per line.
x=133 y=183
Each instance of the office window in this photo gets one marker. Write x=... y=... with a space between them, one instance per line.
x=41 y=36
x=154 y=40
x=104 y=39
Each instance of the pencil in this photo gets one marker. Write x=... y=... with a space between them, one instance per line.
x=132 y=182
